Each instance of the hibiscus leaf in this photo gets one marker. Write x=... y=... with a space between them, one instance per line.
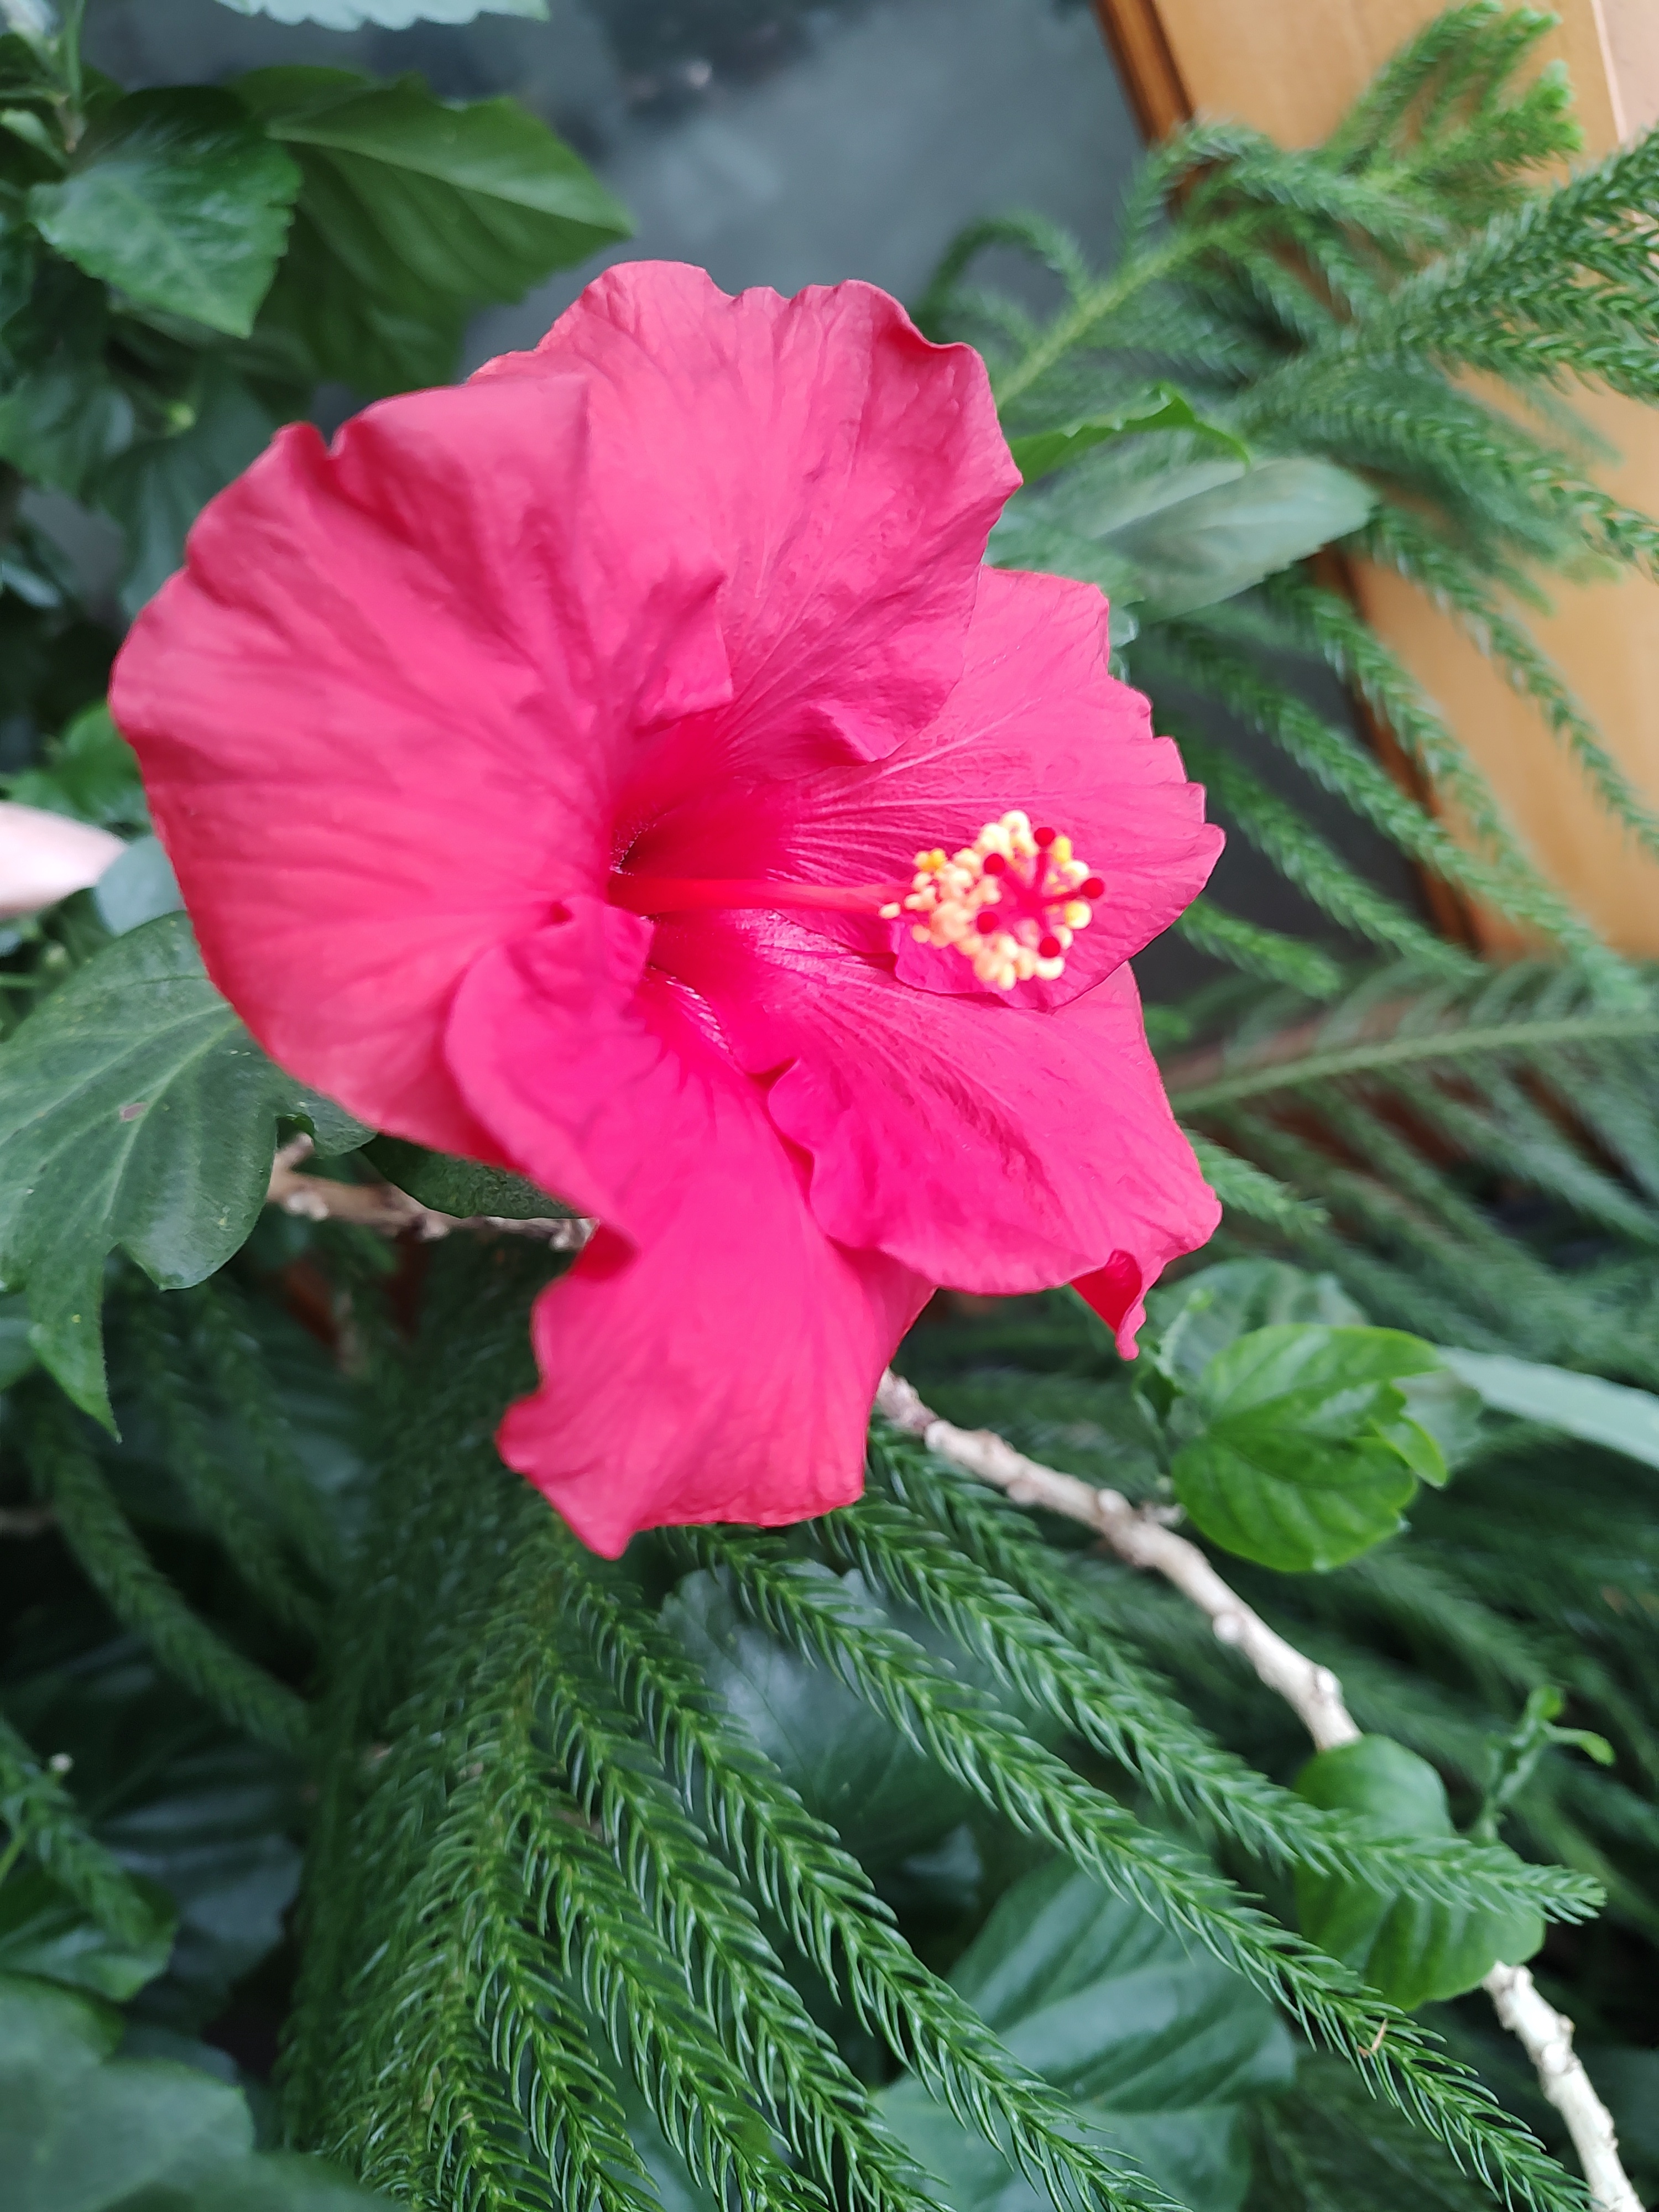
x=177 y=197
x=1163 y=408
x=413 y=212
x=1202 y=1314
x=383 y=14
x=1180 y=530
x=1221 y=540
x=158 y=487
x=44 y=1932
x=62 y=415
x=1411 y=1949
x=134 y=1111
x=1159 y=2045
x=462 y=1187
x=90 y=772
x=83 y=2130
x=1304 y=1453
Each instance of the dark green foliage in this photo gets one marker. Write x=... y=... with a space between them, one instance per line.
x=1410 y=1947
x=459 y=1187
x=139 y=1594
x=1006 y=1596
x=178 y=268
x=1302 y=1449
x=1532 y=1567
x=138 y=1113
x=1159 y=2047
x=541 y=1727
x=82 y=2129
x=1528 y=1078
x=178 y=197
x=412 y=213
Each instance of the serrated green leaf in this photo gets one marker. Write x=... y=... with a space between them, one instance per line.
x=156 y=489
x=462 y=1187
x=1411 y=1949
x=1160 y=2047
x=1296 y=1464
x=43 y=1932
x=178 y=199
x=136 y=1112
x=414 y=212
x=1192 y=1320
x=1163 y=408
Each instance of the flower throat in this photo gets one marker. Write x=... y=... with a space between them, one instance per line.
x=1011 y=903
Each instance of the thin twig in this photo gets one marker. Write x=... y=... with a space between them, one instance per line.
x=27 y=1520
x=1141 y=1537
x=392 y=1213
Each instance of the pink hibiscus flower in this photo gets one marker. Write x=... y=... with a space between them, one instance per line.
x=564 y=770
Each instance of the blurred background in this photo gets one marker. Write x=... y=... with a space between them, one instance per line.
x=774 y=142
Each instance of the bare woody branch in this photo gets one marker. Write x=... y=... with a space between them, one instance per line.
x=1142 y=1536
x=392 y=1213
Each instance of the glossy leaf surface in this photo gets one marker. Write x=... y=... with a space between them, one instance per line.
x=1161 y=2048
x=137 y=1113
x=413 y=212
x=1306 y=1454
x=1411 y=1949
x=177 y=197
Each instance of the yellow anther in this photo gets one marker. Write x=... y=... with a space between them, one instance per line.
x=1032 y=881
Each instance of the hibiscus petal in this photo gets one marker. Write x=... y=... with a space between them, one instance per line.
x=718 y=1361
x=988 y=1147
x=843 y=473
x=1038 y=722
x=379 y=714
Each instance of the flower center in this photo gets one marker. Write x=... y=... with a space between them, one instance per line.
x=1010 y=902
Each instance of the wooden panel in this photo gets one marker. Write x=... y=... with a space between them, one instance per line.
x=1155 y=91
x=1629 y=40
x=1292 y=67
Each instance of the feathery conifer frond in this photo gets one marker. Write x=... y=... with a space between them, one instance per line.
x=1037 y=1792
x=1055 y=1655
x=1530 y=1076
x=214 y=1488
x=140 y=1596
x=43 y=1819
x=804 y=1875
